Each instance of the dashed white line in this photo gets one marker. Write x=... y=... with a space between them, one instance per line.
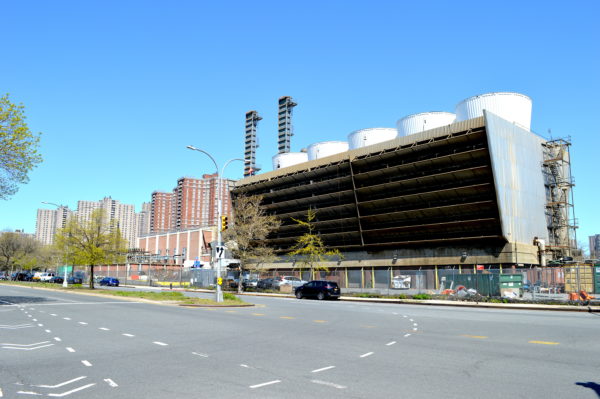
x=415 y=329
x=329 y=384
x=323 y=369
x=264 y=384
x=406 y=335
x=405 y=316
x=86 y=363
x=83 y=323
x=390 y=343
x=33 y=319
x=366 y=354
x=57 y=339
x=104 y=329
x=66 y=318
x=160 y=343
x=111 y=382
x=40 y=325
x=129 y=335
x=70 y=349
x=410 y=319
x=29 y=393
x=48 y=331
x=200 y=354
x=53 y=314
x=415 y=324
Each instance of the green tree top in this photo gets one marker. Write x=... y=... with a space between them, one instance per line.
x=18 y=148
x=91 y=242
x=309 y=249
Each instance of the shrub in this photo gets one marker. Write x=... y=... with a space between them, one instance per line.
x=422 y=296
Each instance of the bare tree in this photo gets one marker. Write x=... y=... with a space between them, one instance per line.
x=16 y=250
x=251 y=225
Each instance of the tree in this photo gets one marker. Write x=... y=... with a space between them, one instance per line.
x=309 y=249
x=251 y=225
x=18 y=148
x=91 y=242
x=16 y=250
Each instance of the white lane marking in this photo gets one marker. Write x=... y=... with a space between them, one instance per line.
x=104 y=329
x=29 y=393
x=59 y=395
x=111 y=382
x=61 y=384
x=405 y=316
x=86 y=363
x=33 y=319
x=15 y=326
x=160 y=343
x=29 y=315
x=245 y=366
x=40 y=324
x=1 y=393
x=406 y=335
x=37 y=343
x=200 y=354
x=410 y=319
x=415 y=324
x=264 y=384
x=70 y=349
x=53 y=314
x=27 y=349
x=67 y=318
x=129 y=335
x=57 y=339
x=390 y=343
x=48 y=331
x=415 y=329
x=394 y=313
x=323 y=369
x=83 y=323
x=329 y=384
x=366 y=354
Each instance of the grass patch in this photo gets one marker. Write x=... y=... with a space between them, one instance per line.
x=155 y=296
x=421 y=296
x=44 y=285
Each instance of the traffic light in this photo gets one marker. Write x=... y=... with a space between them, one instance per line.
x=223 y=223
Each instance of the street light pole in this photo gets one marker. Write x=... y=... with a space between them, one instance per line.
x=218 y=292
x=65 y=283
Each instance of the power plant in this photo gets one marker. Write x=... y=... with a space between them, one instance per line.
x=442 y=189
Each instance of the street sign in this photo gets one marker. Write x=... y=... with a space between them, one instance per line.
x=480 y=267
x=220 y=252
x=220 y=281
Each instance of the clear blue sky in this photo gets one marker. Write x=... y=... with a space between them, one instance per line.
x=119 y=88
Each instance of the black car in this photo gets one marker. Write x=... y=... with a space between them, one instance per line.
x=20 y=276
x=56 y=280
x=265 y=284
x=319 y=289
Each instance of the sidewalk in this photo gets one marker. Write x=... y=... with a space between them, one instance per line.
x=426 y=302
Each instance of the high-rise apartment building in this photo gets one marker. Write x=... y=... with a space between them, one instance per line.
x=595 y=246
x=142 y=220
x=49 y=221
x=193 y=203
x=122 y=214
x=160 y=211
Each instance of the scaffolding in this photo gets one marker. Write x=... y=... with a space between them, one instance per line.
x=284 y=124
x=251 y=144
x=560 y=211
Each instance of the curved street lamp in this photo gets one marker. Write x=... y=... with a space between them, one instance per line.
x=218 y=292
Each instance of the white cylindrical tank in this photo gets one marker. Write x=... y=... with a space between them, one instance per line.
x=416 y=123
x=513 y=107
x=286 y=159
x=364 y=137
x=326 y=148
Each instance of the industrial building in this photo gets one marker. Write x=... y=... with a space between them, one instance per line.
x=474 y=187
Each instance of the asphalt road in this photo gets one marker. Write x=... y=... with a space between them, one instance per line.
x=67 y=345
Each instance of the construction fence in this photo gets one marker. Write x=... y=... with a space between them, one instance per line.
x=381 y=280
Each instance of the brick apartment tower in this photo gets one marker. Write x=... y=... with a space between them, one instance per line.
x=160 y=211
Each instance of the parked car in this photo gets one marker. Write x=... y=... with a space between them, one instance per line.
x=37 y=276
x=265 y=284
x=110 y=281
x=21 y=276
x=250 y=283
x=56 y=280
x=46 y=277
x=3 y=276
x=288 y=280
x=74 y=280
x=319 y=289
